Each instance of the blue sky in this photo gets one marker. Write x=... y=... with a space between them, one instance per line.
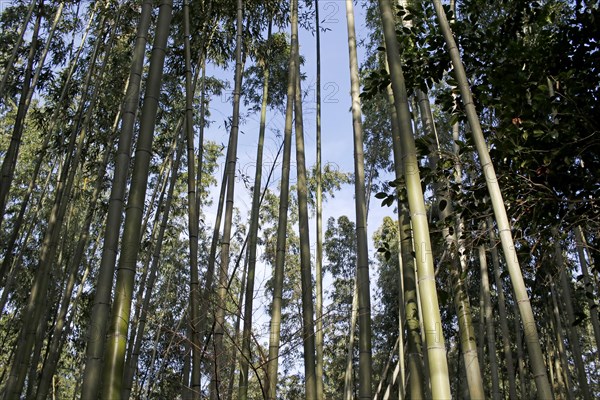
x=337 y=142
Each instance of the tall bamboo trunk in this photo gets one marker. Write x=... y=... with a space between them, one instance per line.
x=560 y=340
x=219 y=356
x=9 y=163
x=349 y=373
x=57 y=340
x=319 y=212
x=559 y=384
x=253 y=236
x=588 y=281
x=281 y=247
x=10 y=157
x=362 y=257
x=13 y=56
x=438 y=366
x=531 y=333
x=114 y=356
x=462 y=305
x=193 y=209
x=308 y=322
x=489 y=323
x=136 y=344
x=102 y=297
x=508 y=354
x=415 y=384
x=571 y=329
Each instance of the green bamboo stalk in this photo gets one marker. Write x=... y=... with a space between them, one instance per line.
x=225 y=240
x=531 y=333
x=115 y=350
x=308 y=323
x=362 y=259
x=281 y=247
x=319 y=212
x=102 y=297
x=253 y=235
x=575 y=346
x=438 y=366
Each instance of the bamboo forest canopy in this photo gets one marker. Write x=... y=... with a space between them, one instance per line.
x=198 y=199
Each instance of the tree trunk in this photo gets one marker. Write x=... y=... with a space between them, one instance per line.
x=508 y=355
x=10 y=159
x=589 y=285
x=275 y=325
x=308 y=323
x=533 y=342
x=115 y=351
x=131 y=365
x=438 y=366
x=349 y=375
x=15 y=52
x=192 y=209
x=319 y=222
x=560 y=340
x=253 y=235
x=571 y=329
x=101 y=304
x=489 y=323
x=409 y=281
x=362 y=259
x=225 y=241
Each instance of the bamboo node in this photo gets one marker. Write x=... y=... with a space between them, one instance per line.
x=436 y=347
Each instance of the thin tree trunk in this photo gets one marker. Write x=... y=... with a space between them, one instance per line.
x=236 y=329
x=56 y=116
x=308 y=323
x=348 y=375
x=411 y=307
x=55 y=345
x=571 y=329
x=508 y=355
x=531 y=334
x=207 y=294
x=523 y=381
x=115 y=351
x=462 y=305
x=161 y=187
x=589 y=285
x=362 y=266
x=17 y=45
x=560 y=340
x=560 y=387
x=281 y=247
x=319 y=223
x=192 y=209
x=253 y=235
x=219 y=363
x=136 y=345
x=101 y=304
x=438 y=366
x=489 y=323
x=10 y=159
